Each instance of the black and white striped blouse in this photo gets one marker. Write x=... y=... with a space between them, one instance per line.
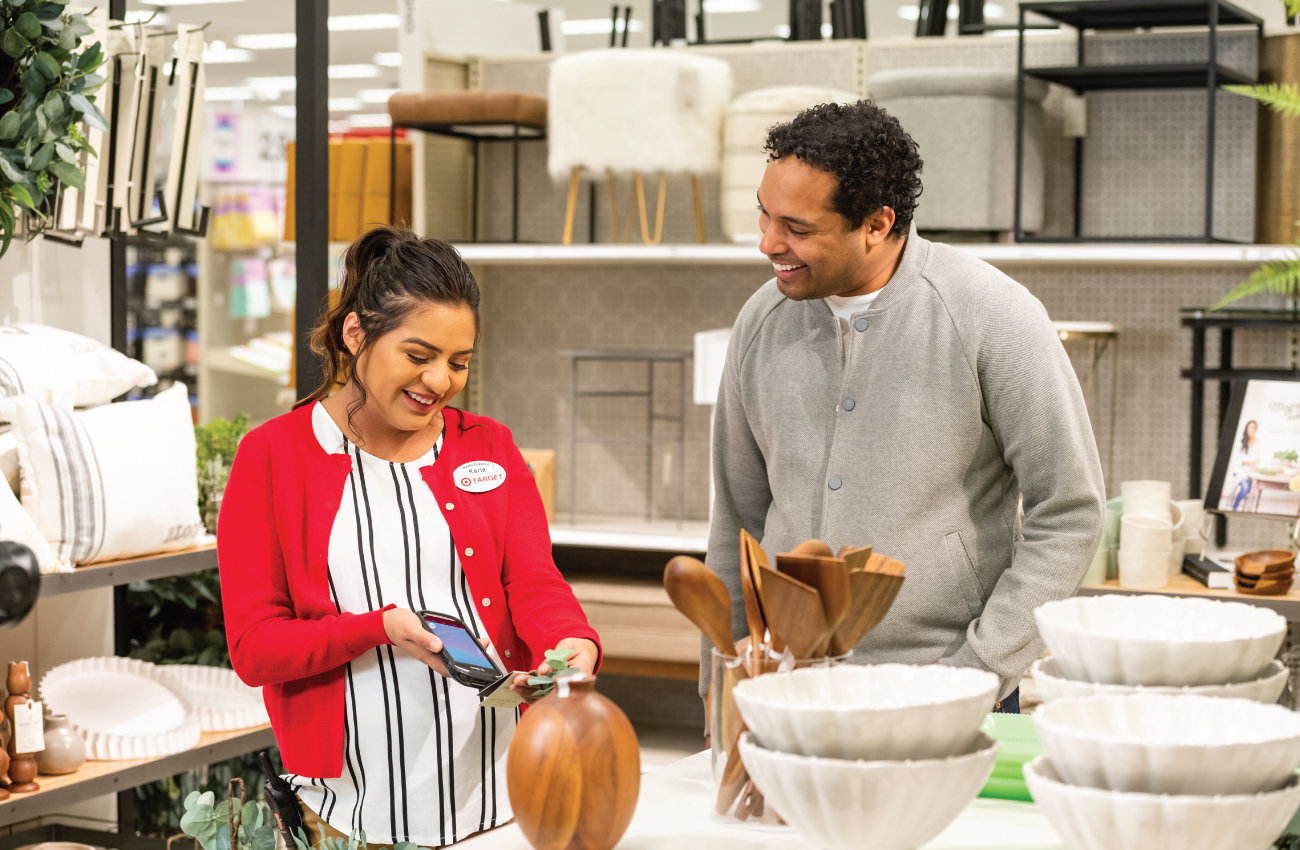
x=421 y=761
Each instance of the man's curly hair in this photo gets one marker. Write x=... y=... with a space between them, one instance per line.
x=876 y=163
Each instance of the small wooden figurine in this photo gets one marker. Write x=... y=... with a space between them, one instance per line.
x=22 y=766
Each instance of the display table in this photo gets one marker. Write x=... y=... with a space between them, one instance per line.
x=676 y=802
x=1288 y=604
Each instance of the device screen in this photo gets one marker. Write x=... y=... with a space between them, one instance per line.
x=460 y=644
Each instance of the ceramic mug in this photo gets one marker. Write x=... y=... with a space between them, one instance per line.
x=1144 y=570
x=1146 y=498
x=1145 y=534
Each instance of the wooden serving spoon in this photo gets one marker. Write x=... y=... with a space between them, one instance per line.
x=816 y=548
x=752 y=558
x=829 y=577
x=797 y=610
x=701 y=596
x=871 y=594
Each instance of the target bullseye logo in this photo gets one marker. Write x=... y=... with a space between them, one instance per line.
x=479 y=476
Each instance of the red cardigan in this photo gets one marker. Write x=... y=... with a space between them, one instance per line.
x=273 y=534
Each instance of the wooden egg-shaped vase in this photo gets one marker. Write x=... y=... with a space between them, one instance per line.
x=574 y=770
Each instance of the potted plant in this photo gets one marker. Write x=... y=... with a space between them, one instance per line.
x=1281 y=277
x=47 y=89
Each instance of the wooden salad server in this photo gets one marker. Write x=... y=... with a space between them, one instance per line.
x=700 y=595
x=797 y=610
x=871 y=591
x=830 y=578
x=816 y=548
x=855 y=558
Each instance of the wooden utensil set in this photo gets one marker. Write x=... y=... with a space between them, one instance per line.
x=1268 y=572
x=813 y=605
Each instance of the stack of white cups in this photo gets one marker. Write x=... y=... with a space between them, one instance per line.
x=1146 y=537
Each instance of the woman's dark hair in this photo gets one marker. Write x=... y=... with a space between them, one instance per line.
x=1245 y=435
x=865 y=148
x=386 y=273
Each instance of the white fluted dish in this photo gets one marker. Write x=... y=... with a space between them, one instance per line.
x=889 y=805
x=1089 y=819
x=225 y=702
x=877 y=711
x=1053 y=685
x=1163 y=744
x=1159 y=640
x=124 y=708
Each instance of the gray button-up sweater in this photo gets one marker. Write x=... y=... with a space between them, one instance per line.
x=963 y=401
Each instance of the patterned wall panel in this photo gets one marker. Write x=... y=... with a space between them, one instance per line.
x=531 y=314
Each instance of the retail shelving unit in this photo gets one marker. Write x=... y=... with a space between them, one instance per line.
x=1116 y=15
x=1288 y=606
x=127 y=570
x=97 y=778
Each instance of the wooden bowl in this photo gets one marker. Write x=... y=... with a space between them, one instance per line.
x=1265 y=561
x=1267 y=588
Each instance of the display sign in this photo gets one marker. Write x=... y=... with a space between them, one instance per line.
x=1257 y=470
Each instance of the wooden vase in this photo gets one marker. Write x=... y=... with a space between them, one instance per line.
x=574 y=769
x=22 y=766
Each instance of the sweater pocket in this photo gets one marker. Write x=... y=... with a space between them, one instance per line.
x=963 y=569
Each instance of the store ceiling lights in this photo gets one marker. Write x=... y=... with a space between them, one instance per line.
x=147 y=16
x=225 y=94
x=345 y=23
x=337 y=23
x=376 y=95
x=344 y=104
x=388 y=60
x=595 y=26
x=225 y=55
x=723 y=7
x=370 y=119
x=271 y=87
x=266 y=41
x=911 y=12
x=289 y=111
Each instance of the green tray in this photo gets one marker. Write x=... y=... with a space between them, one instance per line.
x=1020 y=745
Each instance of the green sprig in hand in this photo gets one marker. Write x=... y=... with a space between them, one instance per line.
x=558 y=661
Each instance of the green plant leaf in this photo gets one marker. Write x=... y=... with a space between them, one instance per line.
x=93 y=116
x=191 y=798
x=80 y=26
x=1283 y=98
x=53 y=104
x=90 y=59
x=5 y=96
x=67 y=38
x=41 y=159
x=13 y=43
x=28 y=25
x=33 y=81
x=1281 y=277
x=48 y=12
x=560 y=654
x=223 y=838
x=300 y=839
x=65 y=153
x=568 y=671
x=539 y=680
x=263 y=838
x=9 y=124
x=47 y=65
x=12 y=171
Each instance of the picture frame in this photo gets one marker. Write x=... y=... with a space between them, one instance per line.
x=1257 y=467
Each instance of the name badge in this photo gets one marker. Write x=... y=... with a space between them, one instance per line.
x=479 y=476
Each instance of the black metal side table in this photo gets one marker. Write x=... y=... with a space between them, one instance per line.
x=650 y=358
x=1226 y=321
x=1115 y=15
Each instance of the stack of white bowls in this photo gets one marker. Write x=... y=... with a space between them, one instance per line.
x=887 y=753
x=1146 y=536
x=1144 y=752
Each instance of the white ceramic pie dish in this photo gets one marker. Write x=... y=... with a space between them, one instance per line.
x=1159 y=640
x=887 y=805
x=224 y=701
x=1162 y=744
x=1089 y=819
x=124 y=708
x=880 y=711
x=1053 y=685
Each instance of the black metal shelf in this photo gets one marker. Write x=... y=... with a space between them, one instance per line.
x=1085 y=78
x=1135 y=14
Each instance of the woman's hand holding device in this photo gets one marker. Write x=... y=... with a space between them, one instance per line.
x=406 y=631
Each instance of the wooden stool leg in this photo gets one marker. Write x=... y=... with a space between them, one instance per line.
x=659 y=213
x=613 y=204
x=571 y=207
x=697 y=193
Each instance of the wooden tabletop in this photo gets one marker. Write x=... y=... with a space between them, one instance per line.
x=96 y=778
x=1288 y=604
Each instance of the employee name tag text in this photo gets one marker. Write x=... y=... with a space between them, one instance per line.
x=479 y=476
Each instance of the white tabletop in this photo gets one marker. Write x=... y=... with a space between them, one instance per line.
x=675 y=804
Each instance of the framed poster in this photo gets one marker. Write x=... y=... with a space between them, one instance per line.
x=1257 y=470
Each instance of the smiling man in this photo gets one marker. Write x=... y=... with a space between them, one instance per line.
x=887 y=391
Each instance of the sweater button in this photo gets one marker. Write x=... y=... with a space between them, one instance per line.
x=507 y=653
x=835 y=483
x=469 y=553
x=848 y=404
x=450 y=506
x=487 y=603
x=860 y=325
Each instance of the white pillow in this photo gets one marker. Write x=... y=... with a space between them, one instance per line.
x=17 y=526
x=9 y=458
x=112 y=482
x=64 y=368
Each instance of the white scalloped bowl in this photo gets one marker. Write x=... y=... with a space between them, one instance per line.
x=878 y=711
x=1159 y=640
x=1089 y=819
x=225 y=702
x=1053 y=685
x=124 y=708
x=887 y=805
x=1161 y=744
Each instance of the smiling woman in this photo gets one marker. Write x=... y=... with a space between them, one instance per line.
x=372 y=501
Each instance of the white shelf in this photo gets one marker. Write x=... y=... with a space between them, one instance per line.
x=220 y=360
x=661 y=536
x=999 y=255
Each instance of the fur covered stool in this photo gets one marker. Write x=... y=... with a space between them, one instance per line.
x=749 y=118
x=637 y=112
